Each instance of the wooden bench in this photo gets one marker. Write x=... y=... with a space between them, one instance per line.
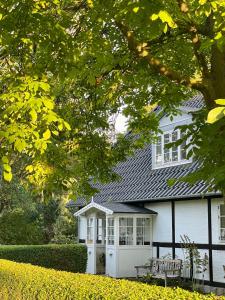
x=161 y=268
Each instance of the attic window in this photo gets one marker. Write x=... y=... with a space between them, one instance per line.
x=169 y=156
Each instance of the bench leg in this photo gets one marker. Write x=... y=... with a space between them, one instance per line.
x=165 y=281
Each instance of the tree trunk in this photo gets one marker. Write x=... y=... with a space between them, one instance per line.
x=217 y=73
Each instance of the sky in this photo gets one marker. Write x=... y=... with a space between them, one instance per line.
x=120 y=124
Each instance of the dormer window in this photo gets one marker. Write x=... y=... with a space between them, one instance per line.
x=169 y=156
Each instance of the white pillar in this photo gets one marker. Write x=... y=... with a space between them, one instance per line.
x=91 y=248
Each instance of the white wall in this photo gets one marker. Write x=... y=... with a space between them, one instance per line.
x=191 y=218
x=129 y=257
x=167 y=124
x=218 y=262
x=162 y=223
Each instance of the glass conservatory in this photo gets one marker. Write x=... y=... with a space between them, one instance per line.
x=118 y=237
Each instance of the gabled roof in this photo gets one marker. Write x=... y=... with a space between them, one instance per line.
x=139 y=182
x=111 y=207
x=127 y=208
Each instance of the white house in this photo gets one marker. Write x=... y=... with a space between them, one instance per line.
x=141 y=217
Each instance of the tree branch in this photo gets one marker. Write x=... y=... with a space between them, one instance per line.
x=196 y=42
x=140 y=50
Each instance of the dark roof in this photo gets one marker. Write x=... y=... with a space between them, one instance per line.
x=139 y=182
x=195 y=102
x=126 y=208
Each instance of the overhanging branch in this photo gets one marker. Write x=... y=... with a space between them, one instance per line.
x=142 y=52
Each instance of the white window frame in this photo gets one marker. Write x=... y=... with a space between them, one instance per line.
x=111 y=237
x=126 y=227
x=143 y=228
x=170 y=163
x=90 y=230
x=219 y=225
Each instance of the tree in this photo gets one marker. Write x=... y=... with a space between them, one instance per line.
x=67 y=66
x=61 y=137
x=141 y=53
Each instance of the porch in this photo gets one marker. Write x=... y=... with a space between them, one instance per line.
x=118 y=237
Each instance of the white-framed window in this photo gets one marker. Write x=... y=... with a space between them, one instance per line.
x=126 y=235
x=169 y=156
x=111 y=237
x=90 y=230
x=222 y=222
x=100 y=231
x=143 y=233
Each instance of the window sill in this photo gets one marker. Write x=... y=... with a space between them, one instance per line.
x=172 y=164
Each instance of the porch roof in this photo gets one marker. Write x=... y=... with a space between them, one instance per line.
x=110 y=208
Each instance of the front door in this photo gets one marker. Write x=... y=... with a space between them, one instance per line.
x=100 y=245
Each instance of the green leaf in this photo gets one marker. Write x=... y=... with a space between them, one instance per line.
x=7 y=176
x=7 y=168
x=55 y=132
x=45 y=86
x=33 y=115
x=60 y=127
x=48 y=103
x=67 y=125
x=215 y=114
x=136 y=9
x=5 y=160
x=19 y=145
x=47 y=134
x=220 y=101
x=154 y=17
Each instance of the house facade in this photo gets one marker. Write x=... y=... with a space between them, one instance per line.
x=141 y=216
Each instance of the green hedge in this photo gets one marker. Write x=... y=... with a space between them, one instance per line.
x=26 y=282
x=72 y=258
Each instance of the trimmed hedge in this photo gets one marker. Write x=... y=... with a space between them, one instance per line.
x=72 y=258
x=26 y=282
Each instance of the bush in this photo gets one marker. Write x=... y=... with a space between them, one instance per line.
x=18 y=227
x=72 y=258
x=21 y=281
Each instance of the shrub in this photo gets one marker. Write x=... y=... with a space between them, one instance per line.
x=18 y=227
x=72 y=258
x=21 y=281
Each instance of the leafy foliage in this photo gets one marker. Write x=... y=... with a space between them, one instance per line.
x=26 y=219
x=71 y=258
x=67 y=66
x=21 y=281
x=20 y=227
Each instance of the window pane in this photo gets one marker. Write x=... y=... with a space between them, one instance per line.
x=175 y=136
x=159 y=150
x=166 y=150
x=130 y=222
x=222 y=209
x=90 y=230
x=166 y=155
x=222 y=222
x=143 y=231
x=166 y=138
x=123 y=222
x=222 y=234
x=99 y=229
x=175 y=149
x=125 y=231
x=175 y=154
x=183 y=151
x=110 y=231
